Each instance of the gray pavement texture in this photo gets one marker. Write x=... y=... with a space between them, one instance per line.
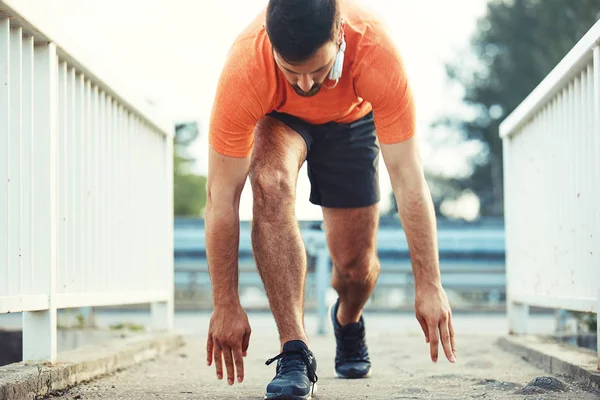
x=402 y=369
x=29 y=380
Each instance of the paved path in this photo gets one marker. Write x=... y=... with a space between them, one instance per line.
x=402 y=370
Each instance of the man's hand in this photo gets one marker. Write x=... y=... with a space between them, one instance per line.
x=434 y=314
x=228 y=338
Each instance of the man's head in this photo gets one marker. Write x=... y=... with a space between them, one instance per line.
x=305 y=35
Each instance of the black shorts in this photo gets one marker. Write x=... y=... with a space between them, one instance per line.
x=343 y=161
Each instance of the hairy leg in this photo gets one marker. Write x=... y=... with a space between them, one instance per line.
x=351 y=237
x=277 y=243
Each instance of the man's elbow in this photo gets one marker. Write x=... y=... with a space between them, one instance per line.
x=222 y=199
x=410 y=187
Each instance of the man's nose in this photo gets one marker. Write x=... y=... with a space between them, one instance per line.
x=305 y=83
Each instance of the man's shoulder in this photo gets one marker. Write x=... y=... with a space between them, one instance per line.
x=363 y=17
x=253 y=30
x=250 y=51
x=368 y=34
x=248 y=65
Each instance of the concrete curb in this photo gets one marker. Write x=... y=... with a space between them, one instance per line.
x=555 y=358
x=31 y=381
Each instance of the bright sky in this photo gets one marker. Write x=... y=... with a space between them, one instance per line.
x=172 y=53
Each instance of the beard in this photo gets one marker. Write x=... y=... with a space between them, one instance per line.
x=313 y=90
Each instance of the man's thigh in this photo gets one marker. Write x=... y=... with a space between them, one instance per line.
x=351 y=235
x=343 y=165
x=343 y=160
x=278 y=151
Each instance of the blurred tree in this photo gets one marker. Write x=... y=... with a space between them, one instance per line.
x=516 y=44
x=189 y=188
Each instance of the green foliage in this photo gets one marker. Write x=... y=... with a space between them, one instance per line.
x=80 y=321
x=189 y=188
x=586 y=320
x=121 y=326
x=516 y=44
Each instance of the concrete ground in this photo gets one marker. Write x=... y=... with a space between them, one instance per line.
x=401 y=370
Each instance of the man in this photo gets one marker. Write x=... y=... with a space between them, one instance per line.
x=318 y=81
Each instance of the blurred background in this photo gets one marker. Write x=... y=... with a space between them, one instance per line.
x=470 y=63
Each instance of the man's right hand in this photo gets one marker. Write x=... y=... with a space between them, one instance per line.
x=228 y=338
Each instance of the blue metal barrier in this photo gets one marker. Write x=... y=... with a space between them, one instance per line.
x=471 y=259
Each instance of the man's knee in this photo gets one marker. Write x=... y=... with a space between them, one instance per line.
x=272 y=188
x=357 y=268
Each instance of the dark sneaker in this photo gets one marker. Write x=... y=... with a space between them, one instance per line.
x=296 y=377
x=351 y=354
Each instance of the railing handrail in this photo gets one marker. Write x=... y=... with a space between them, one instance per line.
x=580 y=54
x=44 y=29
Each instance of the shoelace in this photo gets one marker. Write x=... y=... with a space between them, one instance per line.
x=352 y=345
x=287 y=366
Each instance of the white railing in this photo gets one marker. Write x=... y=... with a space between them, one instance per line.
x=552 y=181
x=85 y=187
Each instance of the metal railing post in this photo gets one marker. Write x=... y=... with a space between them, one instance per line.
x=163 y=312
x=39 y=327
x=517 y=313
x=596 y=178
x=323 y=278
x=4 y=152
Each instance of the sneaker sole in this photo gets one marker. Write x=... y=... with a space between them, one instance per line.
x=352 y=377
x=290 y=396
x=333 y=331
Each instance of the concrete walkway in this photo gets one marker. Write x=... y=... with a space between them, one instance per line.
x=402 y=370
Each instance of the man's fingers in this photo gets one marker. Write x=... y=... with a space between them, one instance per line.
x=229 y=364
x=452 y=338
x=445 y=337
x=209 y=350
x=218 y=360
x=424 y=327
x=433 y=340
x=246 y=342
x=239 y=363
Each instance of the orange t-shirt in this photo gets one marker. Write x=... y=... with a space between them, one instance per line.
x=373 y=78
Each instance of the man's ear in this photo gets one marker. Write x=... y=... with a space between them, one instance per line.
x=341 y=31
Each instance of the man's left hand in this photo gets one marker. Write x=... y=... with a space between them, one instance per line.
x=434 y=314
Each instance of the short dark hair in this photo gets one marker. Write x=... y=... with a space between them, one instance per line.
x=298 y=28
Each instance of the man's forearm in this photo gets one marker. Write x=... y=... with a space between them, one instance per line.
x=417 y=214
x=222 y=244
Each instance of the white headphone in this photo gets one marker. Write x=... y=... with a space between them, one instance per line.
x=338 y=65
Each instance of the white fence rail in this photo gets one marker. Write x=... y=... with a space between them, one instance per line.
x=552 y=180
x=85 y=189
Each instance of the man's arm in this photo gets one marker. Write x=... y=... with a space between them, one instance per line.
x=417 y=215
x=229 y=330
x=226 y=178
x=233 y=118
x=380 y=78
x=415 y=209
